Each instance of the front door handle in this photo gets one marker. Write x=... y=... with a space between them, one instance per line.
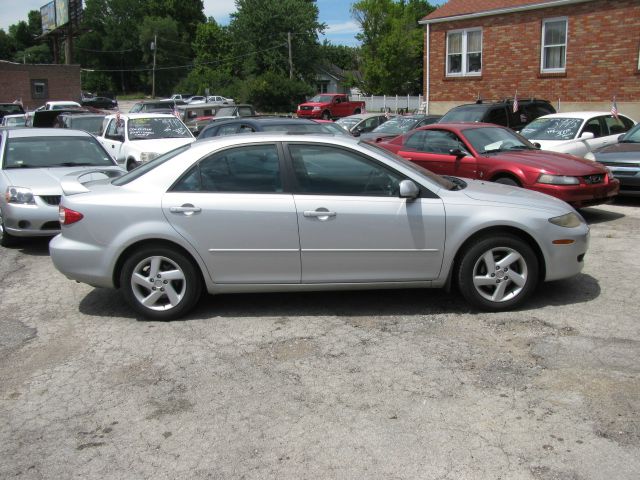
x=186 y=209
x=320 y=213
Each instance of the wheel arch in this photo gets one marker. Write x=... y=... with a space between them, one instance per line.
x=150 y=243
x=492 y=231
x=508 y=174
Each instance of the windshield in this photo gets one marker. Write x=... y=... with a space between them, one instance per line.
x=396 y=125
x=464 y=114
x=441 y=181
x=633 y=135
x=7 y=108
x=552 y=129
x=334 y=128
x=226 y=112
x=321 y=99
x=58 y=151
x=154 y=128
x=495 y=139
x=15 y=121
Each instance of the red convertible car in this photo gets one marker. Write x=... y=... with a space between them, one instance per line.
x=490 y=152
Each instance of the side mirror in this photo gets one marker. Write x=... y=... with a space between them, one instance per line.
x=408 y=189
x=621 y=137
x=457 y=152
x=587 y=136
x=537 y=145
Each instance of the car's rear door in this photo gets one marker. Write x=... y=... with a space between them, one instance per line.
x=232 y=208
x=353 y=225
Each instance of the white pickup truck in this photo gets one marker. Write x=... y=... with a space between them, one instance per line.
x=135 y=138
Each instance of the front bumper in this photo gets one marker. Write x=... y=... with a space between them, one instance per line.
x=629 y=178
x=39 y=220
x=564 y=261
x=309 y=113
x=581 y=195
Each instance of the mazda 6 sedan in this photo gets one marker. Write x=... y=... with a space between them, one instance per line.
x=490 y=152
x=280 y=212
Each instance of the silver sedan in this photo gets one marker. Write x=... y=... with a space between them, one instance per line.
x=277 y=212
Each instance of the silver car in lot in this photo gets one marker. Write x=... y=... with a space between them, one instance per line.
x=279 y=212
x=33 y=161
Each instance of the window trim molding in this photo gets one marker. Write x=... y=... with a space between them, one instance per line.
x=543 y=46
x=464 y=73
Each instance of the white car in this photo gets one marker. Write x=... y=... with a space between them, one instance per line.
x=59 y=105
x=576 y=133
x=218 y=100
x=136 y=138
x=197 y=99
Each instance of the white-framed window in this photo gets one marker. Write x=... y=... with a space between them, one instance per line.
x=464 y=52
x=554 y=45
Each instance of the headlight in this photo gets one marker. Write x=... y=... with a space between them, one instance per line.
x=590 y=156
x=569 y=220
x=147 y=156
x=558 y=179
x=317 y=108
x=19 y=195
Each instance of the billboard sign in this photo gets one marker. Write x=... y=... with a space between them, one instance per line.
x=48 y=14
x=62 y=12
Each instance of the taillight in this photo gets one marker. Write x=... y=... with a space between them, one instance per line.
x=68 y=216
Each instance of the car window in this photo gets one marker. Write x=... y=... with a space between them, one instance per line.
x=245 y=111
x=136 y=108
x=248 y=169
x=618 y=125
x=435 y=141
x=498 y=116
x=226 y=130
x=495 y=139
x=594 y=126
x=115 y=129
x=470 y=113
x=321 y=169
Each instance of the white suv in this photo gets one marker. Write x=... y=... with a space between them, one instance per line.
x=136 y=138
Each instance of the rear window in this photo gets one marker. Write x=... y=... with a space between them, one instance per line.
x=10 y=108
x=464 y=114
x=49 y=152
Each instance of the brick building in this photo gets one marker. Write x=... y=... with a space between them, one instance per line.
x=37 y=84
x=578 y=54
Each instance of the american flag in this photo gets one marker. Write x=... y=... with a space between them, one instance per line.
x=515 y=103
x=614 y=108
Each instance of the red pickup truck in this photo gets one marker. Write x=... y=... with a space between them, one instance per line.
x=328 y=106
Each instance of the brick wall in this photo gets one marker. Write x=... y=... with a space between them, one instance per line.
x=63 y=82
x=602 y=56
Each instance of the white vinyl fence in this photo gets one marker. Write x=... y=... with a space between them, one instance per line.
x=394 y=104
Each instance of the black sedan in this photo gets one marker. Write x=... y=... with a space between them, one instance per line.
x=100 y=102
x=623 y=159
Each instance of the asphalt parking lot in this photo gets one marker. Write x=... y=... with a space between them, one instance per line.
x=406 y=384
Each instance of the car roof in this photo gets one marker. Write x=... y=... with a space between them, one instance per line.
x=46 y=132
x=583 y=115
x=462 y=126
x=142 y=115
x=267 y=120
x=261 y=137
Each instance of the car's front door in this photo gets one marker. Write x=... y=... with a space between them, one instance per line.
x=232 y=208
x=432 y=149
x=113 y=139
x=353 y=225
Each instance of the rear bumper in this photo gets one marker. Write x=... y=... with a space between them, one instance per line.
x=80 y=261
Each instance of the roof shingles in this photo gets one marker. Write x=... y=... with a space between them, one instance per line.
x=462 y=7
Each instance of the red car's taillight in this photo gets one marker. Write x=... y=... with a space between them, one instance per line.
x=68 y=216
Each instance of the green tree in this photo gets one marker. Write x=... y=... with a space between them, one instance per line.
x=36 y=54
x=340 y=55
x=392 y=44
x=259 y=29
x=7 y=46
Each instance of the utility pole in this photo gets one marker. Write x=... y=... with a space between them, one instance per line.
x=290 y=57
x=154 y=47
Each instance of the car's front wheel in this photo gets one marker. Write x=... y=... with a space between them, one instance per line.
x=6 y=239
x=497 y=272
x=160 y=283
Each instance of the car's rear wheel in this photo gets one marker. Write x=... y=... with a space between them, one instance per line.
x=498 y=272
x=160 y=283
x=6 y=239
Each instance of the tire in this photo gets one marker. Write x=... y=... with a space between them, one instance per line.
x=357 y=111
x=131 y=164
x=507 y=181
x=165 y=298
x=326 y=115
x=487 y=282
x=6 y=240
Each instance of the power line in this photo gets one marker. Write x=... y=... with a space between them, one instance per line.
x=105 y=51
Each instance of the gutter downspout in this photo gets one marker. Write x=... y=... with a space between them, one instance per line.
x=428 y=59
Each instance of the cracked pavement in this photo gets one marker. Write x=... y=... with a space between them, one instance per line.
x=406 y=384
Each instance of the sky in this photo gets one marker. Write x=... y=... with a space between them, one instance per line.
x=341 y=28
